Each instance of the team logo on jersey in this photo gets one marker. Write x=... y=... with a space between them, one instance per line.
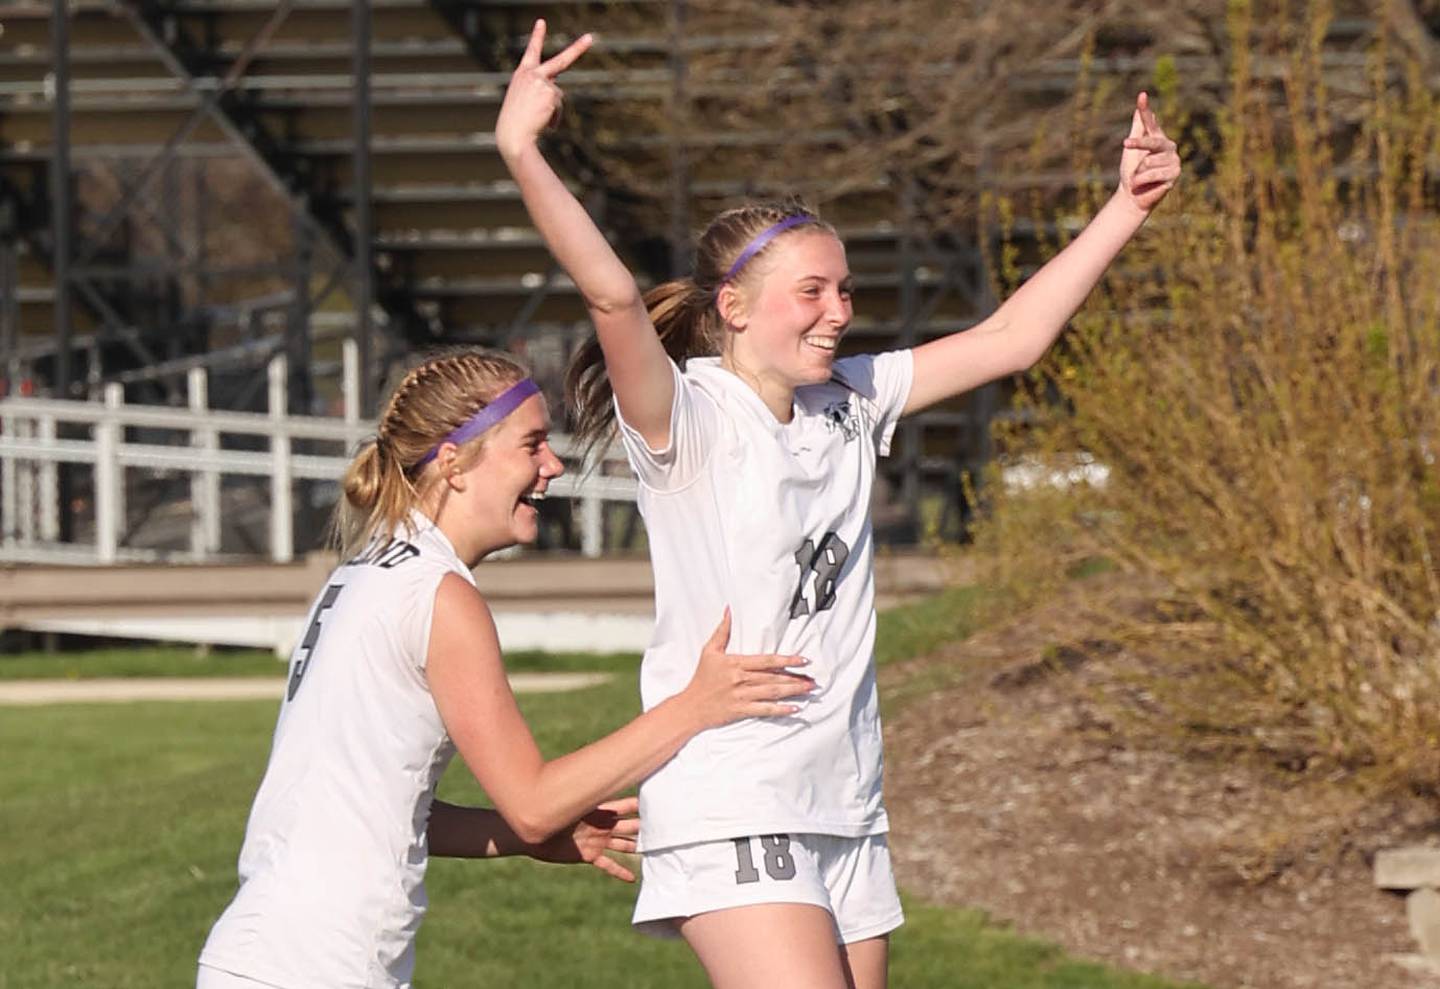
x=842 y=419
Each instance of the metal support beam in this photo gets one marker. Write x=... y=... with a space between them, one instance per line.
x=170 y=291
x=297 y=323
x=61 y=227
x=364 y=232
x=60 y=215
x=186 y=46
x=9 y=302
x=200 y=255
x=208 y=107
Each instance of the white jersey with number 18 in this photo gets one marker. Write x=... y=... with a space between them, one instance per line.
x=772 y=520
x=333 y=864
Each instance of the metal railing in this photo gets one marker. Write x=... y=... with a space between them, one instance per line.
x=34 y=441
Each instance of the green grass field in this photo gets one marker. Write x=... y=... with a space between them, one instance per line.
x=121 y=824
x=179 y=661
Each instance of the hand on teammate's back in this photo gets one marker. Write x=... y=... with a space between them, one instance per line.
x=729 y=687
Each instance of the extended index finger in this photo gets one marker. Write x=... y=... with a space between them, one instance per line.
x=1147 y=115
x=557 y=64
x=536 y=45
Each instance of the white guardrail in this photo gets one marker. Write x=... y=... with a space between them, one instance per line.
x=31 y=448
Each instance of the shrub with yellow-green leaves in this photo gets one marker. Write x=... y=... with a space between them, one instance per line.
x=1258 y=381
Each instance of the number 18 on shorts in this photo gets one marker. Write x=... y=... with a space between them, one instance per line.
x=849 y=877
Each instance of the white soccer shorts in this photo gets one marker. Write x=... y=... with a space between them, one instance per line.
x=849 y=877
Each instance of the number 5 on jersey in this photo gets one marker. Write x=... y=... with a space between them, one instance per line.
x=312 y=635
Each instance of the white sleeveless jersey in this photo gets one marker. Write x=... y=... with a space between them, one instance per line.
x=772 y=520
x=333 y=865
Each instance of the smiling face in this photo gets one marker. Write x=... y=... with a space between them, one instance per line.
x=788 y=315
x=493 y=503
x=513 y=472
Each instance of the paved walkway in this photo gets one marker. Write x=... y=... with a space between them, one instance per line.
x=28 y=692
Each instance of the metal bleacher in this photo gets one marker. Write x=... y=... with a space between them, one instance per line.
x=452 y=256
x=245 y=115
x=164 y=91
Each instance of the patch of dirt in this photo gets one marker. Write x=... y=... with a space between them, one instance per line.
x=1007 y=794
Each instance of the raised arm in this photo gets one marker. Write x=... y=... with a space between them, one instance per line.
x=1018 y=333
x=635 y=361
x=538 y=797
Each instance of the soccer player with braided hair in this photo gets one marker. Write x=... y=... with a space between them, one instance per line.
x=399 y=668
x=764 y=841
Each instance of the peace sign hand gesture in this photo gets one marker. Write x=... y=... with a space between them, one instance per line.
x=1149 y=165
x=533 y=100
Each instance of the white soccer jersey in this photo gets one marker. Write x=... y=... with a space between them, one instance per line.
x=773 y=520
x=333 y=865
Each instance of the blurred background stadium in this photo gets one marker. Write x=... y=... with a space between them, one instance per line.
x=205 y=187
x=224 y=223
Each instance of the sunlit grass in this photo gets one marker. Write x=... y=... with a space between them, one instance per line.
x=123 y=822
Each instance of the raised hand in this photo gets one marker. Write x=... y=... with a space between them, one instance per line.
x=1149 y=165
x=610 y=827
x=533 y=100
x=729 y=687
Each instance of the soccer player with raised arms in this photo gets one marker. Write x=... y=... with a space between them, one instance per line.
x=399 y=667
x=764 y=841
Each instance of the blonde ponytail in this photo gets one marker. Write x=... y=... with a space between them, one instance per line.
x=688 y=325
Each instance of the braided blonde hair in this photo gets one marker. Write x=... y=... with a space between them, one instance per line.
x=438 y=395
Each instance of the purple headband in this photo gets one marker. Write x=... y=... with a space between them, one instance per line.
x=761 y=239
x=504 y=404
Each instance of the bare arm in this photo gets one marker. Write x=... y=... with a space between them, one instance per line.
x=538 y=797
x=479 y=832
x=470 y=832
x=1017 y=334
x=636 y=362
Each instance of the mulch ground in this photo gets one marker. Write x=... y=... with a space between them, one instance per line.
x=1007 y=793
